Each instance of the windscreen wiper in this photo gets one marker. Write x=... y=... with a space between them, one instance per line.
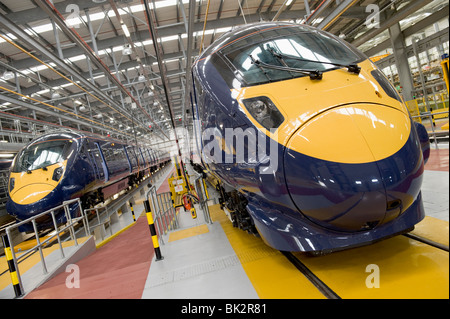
x=261 y=68
x=313 y=74
x=353 y=68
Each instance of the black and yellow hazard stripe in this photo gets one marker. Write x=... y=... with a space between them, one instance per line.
x=12 y=267
x=151 y=225
x=132 y=211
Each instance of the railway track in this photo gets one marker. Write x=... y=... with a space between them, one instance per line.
x=324 y=285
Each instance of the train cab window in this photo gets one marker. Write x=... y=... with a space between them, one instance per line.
x=41 y=154
x=294 y=47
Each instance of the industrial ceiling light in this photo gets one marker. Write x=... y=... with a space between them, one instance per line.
x=126 y=50
x=82 y=108
x=151 y=93
x=55 y=95
x=8 y=75
x=125 y=30
x=141 y=78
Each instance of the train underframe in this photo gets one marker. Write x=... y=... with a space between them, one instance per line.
x=99 y=195
x=236 y=204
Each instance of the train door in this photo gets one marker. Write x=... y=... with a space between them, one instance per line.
x=128 y=159
x=94 y=164
x=143 y=159
x=100 y=161
x=94 y=157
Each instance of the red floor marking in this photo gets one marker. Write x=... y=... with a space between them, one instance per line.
x=117 y=270
x=438 y=160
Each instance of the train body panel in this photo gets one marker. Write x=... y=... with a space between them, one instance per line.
x=57 y=167
x=317 y=164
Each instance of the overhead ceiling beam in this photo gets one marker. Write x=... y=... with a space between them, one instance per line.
x=36 y=14
x=318 y=11
x=410 y=8
x=336 y=13
x=151 y=20
x=55 y=15
x=422 y=24
x=51 y=113
x=179 y=29
x=188 y=84
x=10 y=26
x=152 y=25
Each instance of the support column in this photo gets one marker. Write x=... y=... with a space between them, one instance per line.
x=401 y=61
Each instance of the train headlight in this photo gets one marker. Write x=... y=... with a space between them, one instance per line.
x=11 y=183
x=57 y=173
x=264 y=111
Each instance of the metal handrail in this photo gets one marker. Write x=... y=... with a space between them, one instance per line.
x=163 y=212
x=430 y=116
x=202 y=196
x=70 y=222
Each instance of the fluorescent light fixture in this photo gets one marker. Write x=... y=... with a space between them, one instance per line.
x=288 y=3
x=125 y=30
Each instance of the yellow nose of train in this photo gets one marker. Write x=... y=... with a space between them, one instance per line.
x=338 y=158
x=356 y=133
x=26 y=188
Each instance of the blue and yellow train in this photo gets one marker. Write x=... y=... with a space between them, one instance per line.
x=331 y=156
x=56 y=167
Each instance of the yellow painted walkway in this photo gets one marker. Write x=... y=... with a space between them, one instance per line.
x=270 y=273
x=407 y=268
x=189 y=232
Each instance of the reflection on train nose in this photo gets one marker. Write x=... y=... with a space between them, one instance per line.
x=345 y=197
x=31 y=193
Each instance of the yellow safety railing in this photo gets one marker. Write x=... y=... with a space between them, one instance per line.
x=438 y=106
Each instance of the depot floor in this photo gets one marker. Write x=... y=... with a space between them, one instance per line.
x=215 y=260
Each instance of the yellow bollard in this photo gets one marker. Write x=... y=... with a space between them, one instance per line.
x=151 y=225
x=12 y=267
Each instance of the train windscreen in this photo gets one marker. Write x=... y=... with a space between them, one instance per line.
x=40 y=155
x=293 y=48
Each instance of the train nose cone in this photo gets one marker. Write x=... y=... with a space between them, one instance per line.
x=331 y=164
x=31 y=193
